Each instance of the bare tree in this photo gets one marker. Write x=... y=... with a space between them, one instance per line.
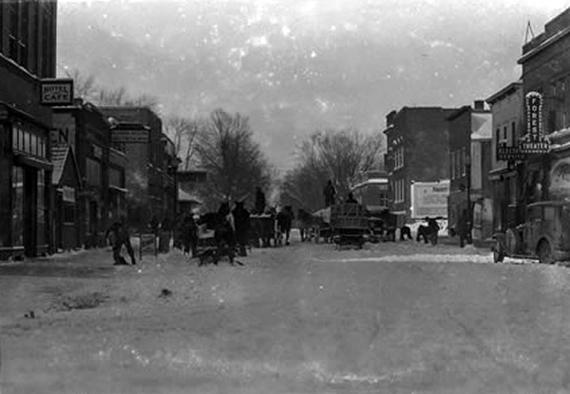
x=110 y=97
x=184 y=132
x=83 y=85
x=144 y=100
x=345 y=154
x=339 y=155
x=234 y=161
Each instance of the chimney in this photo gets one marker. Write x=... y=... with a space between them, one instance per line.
x=479 y=105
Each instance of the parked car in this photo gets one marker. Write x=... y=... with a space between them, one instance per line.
x=545 y=235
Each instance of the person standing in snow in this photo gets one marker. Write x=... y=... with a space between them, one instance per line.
x=118 y=235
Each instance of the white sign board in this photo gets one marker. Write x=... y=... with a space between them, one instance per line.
x=68 y=194
x=429 y=199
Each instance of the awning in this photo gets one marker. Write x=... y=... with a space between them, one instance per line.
x=33 y=162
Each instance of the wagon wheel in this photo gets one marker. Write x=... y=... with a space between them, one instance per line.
x=544 y=252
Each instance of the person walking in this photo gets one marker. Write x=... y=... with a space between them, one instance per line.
x=284 y=221
x=242 y=223
x=329 y=193
x=224 y=234
x=164 y=235
x=464 y=229
x=259 y=201
x=118 y=235
x=189 y=234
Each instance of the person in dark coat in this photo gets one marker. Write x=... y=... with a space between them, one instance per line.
x=329 y=193
x=165 y=234
x=284 y=221
x=242 y=223
x=350 y=199
x=118 y=235
x=224 y=234
x=189 y=234
x=259 y=201
x=464 y=228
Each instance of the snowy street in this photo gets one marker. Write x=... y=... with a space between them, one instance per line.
x=395 y=317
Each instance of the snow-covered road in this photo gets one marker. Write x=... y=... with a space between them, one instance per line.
x=394 y=318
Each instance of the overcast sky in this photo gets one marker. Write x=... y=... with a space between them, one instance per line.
x=294 y=66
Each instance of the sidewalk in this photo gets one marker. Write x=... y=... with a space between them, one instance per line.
x=477 y=243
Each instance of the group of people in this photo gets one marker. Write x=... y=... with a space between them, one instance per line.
x=232 y=226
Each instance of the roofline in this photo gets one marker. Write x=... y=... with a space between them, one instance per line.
x=458 y=112
x=543 y=45
x=512 y=87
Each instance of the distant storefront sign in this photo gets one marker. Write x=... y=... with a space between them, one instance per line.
x=56 y=91
x=126 y=136
x=509 y=153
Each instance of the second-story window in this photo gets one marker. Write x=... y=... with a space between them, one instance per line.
x=399 y=157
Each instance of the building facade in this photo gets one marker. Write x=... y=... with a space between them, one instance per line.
x=85 y=129
x=546 y=70
x=416 y=138
x=469 y=164
x=151 y=165
x=27 y=55
x=506 y=108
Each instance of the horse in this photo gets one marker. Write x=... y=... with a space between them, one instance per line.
x=306 y=222
x=428 y=233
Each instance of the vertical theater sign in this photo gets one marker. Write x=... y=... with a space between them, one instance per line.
x=534 y=141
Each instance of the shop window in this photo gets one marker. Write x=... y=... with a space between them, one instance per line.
x=69 y=213
x=513 y=133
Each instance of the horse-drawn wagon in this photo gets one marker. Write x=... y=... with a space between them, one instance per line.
x=350 y=224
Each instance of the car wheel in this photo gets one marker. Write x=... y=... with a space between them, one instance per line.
x=545 y=253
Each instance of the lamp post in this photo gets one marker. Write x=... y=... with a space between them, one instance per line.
x=469 y=223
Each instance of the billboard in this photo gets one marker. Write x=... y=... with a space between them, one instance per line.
x=429 y=199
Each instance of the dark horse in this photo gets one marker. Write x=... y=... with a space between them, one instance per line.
x=429 y=232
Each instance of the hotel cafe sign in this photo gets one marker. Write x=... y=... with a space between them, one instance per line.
x=56 y=91
x=534 y=141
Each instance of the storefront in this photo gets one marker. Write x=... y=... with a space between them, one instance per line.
x=26 y=169
x=66 y=182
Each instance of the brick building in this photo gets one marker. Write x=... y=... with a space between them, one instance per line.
x=100 y=197
x=151 y=166
x=27 y=55
x=417 y=141
x=546 y=70
x=469 y=165
x=506 y=108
